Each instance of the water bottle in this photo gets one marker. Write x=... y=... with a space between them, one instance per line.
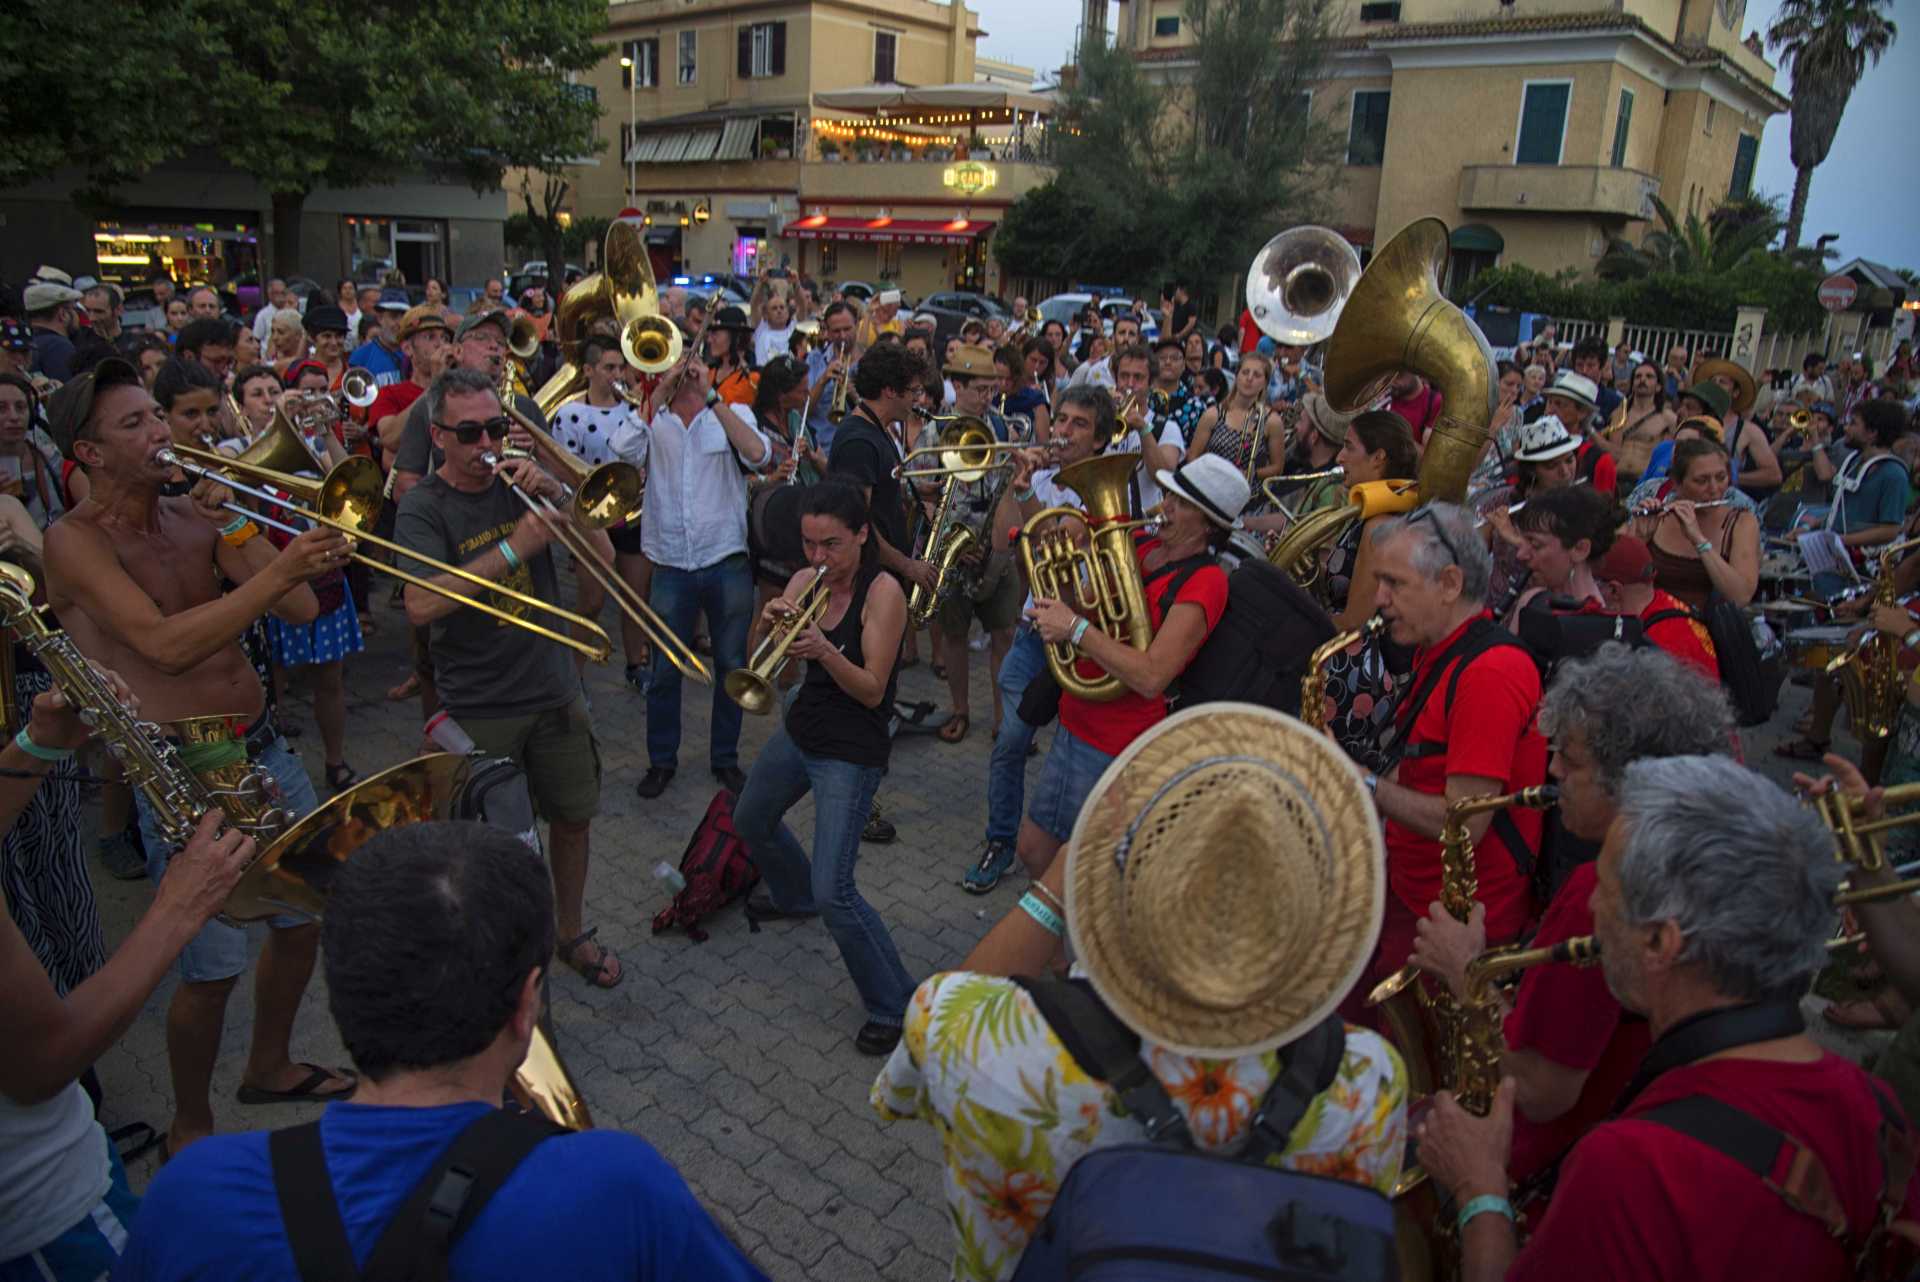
x=670 y=877
x=446 y=733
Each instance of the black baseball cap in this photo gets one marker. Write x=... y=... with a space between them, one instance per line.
x=72 y=403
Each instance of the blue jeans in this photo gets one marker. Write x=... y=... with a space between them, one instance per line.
x=219 y=951
x=842 y=799
x=724 y=593
x=1007 y=768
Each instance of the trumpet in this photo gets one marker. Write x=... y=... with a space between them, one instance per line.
x=756 y=687
x=340 y=501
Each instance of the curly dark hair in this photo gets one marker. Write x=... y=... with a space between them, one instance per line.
x=1572 y=513
x=887 y=367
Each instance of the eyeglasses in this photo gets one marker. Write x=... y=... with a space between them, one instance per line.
x=1425 y=512
x=469 y=433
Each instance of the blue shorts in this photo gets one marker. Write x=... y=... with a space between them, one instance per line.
x=220 y=951
x=89 y=1249
x=1067 y=777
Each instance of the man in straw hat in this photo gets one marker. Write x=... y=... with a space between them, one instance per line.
x=1570 y=1047
x=1740 y=1149
x=1464 y=729
x=1218 y=953
x=1746 y=439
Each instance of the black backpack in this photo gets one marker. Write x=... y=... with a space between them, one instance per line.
x=1258 y=651
x=1752 y=680
x=495 y=794
x=1555 y=629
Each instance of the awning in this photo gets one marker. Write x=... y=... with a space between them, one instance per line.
x=677 y=147
x=901 y=100
x=906 y=231
x=737 y=139
x=1479 y=238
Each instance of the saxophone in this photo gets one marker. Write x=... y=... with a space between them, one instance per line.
x=1313 y=686
x=153 y=763
x=1425 y=1021
x=944 y=548
x=1481 y=1041
x=1869 y=671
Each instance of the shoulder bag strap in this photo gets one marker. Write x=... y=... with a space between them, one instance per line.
x=1107 y=1050
x=308 y=1208
x=1781 y=1162
x=419 y=1239
x=1307 y=1067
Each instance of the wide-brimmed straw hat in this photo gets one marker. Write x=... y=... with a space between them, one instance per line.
x=1226 y=881
x=1745 y=391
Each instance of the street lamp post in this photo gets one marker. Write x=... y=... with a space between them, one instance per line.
x=633 y=83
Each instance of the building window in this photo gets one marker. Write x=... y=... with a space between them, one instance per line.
x=1464 y=264
x=644 y=57
x=1712 y=107
x=829 y=258
x=689 y=57
x=889 y=260
x=1389 y=12
x=1620 y=125
x=1543 y=122
x=886 y=46
x=763 y=50
x=1745 y=152
x=1167 y=27
x=1367 y=134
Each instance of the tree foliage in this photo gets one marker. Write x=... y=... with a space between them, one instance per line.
x=1826 y=45
x=1735 y=229
x=1682 y=299
x=1159 y=181
x=301 y=94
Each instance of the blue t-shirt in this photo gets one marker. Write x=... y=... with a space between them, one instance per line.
x=1878 y=498
x=378 y=360
x=596 y=1205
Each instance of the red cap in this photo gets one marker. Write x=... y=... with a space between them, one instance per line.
x=1627 y=561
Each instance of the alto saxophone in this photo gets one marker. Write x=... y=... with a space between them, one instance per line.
x=944 y=549
x=1313 y=686
x=1481 y=1041
x=1425 y=1020
x=1869 y=671
x=178 y=797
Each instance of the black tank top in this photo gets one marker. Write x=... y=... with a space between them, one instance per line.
x=827 y=721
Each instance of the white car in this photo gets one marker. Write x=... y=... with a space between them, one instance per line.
x=1064 y=307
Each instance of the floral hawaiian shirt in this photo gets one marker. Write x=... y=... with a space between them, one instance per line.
x=1015 y=1112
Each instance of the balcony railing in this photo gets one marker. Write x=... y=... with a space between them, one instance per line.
x=1559 y=189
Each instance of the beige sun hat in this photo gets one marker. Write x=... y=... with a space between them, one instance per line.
x=1226 y=881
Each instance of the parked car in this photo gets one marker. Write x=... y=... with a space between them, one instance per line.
x=1065 y=307
x=953 y=308
x=534 y=272
x=857 y=290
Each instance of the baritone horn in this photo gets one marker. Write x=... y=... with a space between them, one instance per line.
x=756 y=687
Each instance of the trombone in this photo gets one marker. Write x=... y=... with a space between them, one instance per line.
x=756 y=687
x=347 y=499
x=965 y=449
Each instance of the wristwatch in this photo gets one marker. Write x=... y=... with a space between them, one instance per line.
x=1912 y=640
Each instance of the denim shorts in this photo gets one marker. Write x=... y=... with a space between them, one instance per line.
x=1067 y=776
x=220 y=951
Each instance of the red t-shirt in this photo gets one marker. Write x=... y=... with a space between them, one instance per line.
x=1686 y=639
x=1421 y=411
x=1568 y=1014
x=1488 y=731
x=1111 y=726
x=394 y=398
x=1639 y=1200
x=1605 y=474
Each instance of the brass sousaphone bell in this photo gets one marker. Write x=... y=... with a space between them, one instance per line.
x=623 y=289
x=1299 y=283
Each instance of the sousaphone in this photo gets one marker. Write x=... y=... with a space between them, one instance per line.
x=623 y=289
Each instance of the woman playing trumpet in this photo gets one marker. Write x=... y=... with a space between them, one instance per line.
x=834 y=744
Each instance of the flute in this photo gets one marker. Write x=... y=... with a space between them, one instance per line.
x=1661 y=509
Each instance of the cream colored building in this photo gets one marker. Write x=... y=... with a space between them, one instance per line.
x=1535 y=129
x=717 y=137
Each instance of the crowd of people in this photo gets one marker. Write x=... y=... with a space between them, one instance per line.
x=1210 y=886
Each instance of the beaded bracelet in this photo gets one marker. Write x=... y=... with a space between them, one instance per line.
x=508 y=555
x=25 y=743
x=1036 y=908
x=1485 y=1204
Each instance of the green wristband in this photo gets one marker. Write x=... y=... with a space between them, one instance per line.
x=26 y=744
x=508 y=555
x=1035 y=907
x=1482 y=1205
x=1079 y=631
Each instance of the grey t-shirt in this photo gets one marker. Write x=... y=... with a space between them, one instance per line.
x=482 y=666
x=416 y=452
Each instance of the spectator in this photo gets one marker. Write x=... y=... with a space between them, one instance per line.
x=287 y=339
x=1678 y=372
x=208 y=343
x=103 y=303
x=380 y=356
x=51 y=316
x=1590 y=361
x=203 y=303
x=279 y=299
x=1574 y=400
x=1416 y=401
x=438 y=1045
x=495 y=292
x=16 y=348
x=177 y=315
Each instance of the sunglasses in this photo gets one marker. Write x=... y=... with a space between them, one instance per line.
x=469 y=433
x=1426 y=513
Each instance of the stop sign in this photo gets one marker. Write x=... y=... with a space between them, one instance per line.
x=1837 y=293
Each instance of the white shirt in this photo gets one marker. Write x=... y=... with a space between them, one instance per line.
x=1099 y=373
x=696 y=513
x=1150 y=493
x=53 y=1168
x=263 y=322
x=769 y=342
x=600 y=434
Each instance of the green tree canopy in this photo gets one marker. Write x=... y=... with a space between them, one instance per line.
x=1827 y=45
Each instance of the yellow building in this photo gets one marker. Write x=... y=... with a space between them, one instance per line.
x=720 y=137
x=1535 y=130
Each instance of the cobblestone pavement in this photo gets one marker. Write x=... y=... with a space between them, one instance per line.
x=734 y=1057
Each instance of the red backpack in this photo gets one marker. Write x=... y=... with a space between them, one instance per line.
x=716 y=869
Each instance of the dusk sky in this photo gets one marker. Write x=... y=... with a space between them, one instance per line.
x=1868 y=191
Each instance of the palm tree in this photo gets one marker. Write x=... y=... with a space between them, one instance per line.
x=1738 y=226
x=1827 y=44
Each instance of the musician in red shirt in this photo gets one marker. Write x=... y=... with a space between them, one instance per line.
x=1625 y=576
x=1570 y=1047
x=1740 y=1149
x=1464 y=729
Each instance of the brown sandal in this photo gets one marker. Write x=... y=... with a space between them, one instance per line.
x=947 y=732
x=597 y=971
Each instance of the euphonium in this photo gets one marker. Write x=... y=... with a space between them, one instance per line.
x=1313 y=686
x=1100 y=579
x=756 y=687
x=1424 y=1020
x=1298 y=549
x=1869 y=672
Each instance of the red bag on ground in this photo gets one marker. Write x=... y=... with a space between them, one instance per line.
x=716 y=868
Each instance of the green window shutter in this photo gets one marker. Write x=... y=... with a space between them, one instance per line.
x=1543 y=122
x=1621 y=124
x=1744 y=155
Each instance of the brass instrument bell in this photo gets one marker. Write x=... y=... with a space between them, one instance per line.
x=523 y=338
x=359 y=388
x=651 y=344
x=1299 y=283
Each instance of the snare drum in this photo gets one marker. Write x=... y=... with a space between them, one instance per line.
x=1813 y=647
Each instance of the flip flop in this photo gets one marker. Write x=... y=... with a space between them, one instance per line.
x=959 y=719
x=1800 y=748
x=306 y=1090
x=405 y=690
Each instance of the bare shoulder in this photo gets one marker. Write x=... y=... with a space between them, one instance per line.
x=886 y=589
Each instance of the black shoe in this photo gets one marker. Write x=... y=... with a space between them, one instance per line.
x=876 y=1038
x=654 y=782
x=732 y=778
x=878 y=830
x=760 y=907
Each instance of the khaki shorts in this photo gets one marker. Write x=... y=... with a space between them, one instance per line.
x=557 y=750
x=997 y=608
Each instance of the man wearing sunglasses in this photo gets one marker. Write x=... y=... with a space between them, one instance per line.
x=514 y=692
x=1464 y=728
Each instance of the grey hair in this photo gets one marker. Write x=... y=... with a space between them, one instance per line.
x=1438 y=524
x=1629 y=704
x=458 y=381
x=1746 y=872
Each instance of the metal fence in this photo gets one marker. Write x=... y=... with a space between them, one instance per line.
x=1772 y=351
